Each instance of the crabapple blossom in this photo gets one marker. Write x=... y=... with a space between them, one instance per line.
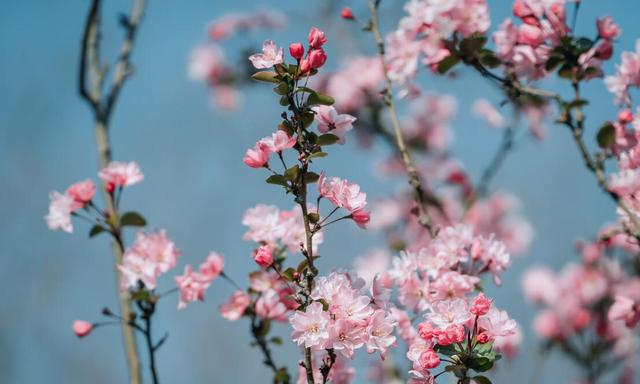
x=346 y=13
x=263 y=256
x=316 y=38
x=625 y=309
x=233 y=309
x=484 y=109
x=82 y=191
x=229 y=24
x=118 y=174
x=296 y=50
x=60 y=209
x=270 y=56
x=330 y=121
x=310 y=326
x=342 y=193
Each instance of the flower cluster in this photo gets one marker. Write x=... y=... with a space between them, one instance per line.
x=79 y=196
x=345 y=195
x=343 y=317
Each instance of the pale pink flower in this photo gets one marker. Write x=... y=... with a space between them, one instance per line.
x=453 y=284
x=347 y=304
x=484 y=109
x=329 y=121
x=310 y=326
x=380 y=332
x=60 y=209
x=212 y=266
x=540 y=285
x=157 y=248
x=374 y=262
x=231 y=23
x=419 y=354
x=345 y=336
x=493 y=253
x=508 y=345
x=497 y=323
x=413 y=293
x=355 y=83
x=278 y=142
x=233 y=309
x=192 y=286
x=269 y=306
x=342 y=193
x=547 y=324
x=625 y=309
x=82 y=191
x=446 y=312
x=137 y=268
x=207 y=64
x=121 y=174
x=82 y=328
x=264 y=224
x=269 y=57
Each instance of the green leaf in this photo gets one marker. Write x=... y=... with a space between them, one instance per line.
x=448 y=350
x=577 y=103
x=553 y=62
x=292 y=173
x=132 y=219
x=446 y=64
x=277 y=180
x=583 y=44
x=265 y=327
x=313 y=217
x=328 y=139
x=305 y=89
x=318 y=98
x=266 y=76
x=286 y=127
x=488 y=58
x=566 y=71
x=606 y=136
x=307 y=119
x=311 y=177
x=472 y=44
x=276 y=340
x=481 y=379
x=282 y=376
x=96 y=230
x=140 y=295
x=281 y=89
x=289 y=273
x=317 y=154
x=284 y=101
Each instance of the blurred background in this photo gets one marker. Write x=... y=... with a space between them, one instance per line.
x=197 y=187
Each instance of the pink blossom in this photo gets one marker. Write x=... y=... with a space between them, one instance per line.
x=547 y=325
x=158 y=248
x=484 y=109
x=192 y=286
x=121 y=174
x=453 y=284
x=422 y=360
x=453 y=333
x=380 y=332
x=539 y=284
x=263 y=256
x=329 y=121
x=627 y=75
x=345 y=336
x=493 y=253
x=137 y=268
x=269 y=57
x=429 y=359
x=413 y=293
x=257 y=156
x=231 y=23
x=82 y=191
x=82 y=328
x=233 y=309
x=508 y=345
x=316 y=38
x=446 y=312
x=212 y=266
x=310 y=326
x=269 y=306
x=497 y=323
x=480 y=305
x=296 y=50
x=60 y=209
x=342 y=193
x=277 y=142
x=607 y=29
x=625 y=309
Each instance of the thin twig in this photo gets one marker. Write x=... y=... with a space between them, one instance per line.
x=414 y=180
x=90 y=67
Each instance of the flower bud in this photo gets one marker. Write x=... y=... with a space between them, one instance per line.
x=346 y=13
x=625 y=116
x=296 y=50
x=82 y=328
x=317 y=58
x=480 y=305
x=361 y=217
x=316 y=38
x=263 y=256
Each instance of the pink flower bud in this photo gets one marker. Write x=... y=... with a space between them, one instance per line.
x=607 y=29
x=483 y=338
x=316 y=38
x=429 y=359
x=82 y=328
x=604 y=50
x=263 y=256
x=305 y=66
x=361 y=217
x=317 y=58
x=480 y=305
x=296 y=50
x=425 y=330
x=110 y=187
x=346 y=13
x=625 y=116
